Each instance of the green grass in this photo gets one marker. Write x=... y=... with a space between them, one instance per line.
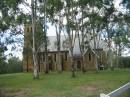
x=62 y=85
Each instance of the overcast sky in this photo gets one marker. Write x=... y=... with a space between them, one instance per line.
x=51 y=30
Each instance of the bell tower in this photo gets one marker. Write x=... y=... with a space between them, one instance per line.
x=27 y=50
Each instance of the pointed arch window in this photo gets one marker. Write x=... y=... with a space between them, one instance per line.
x=27 y=29
x=66 y=56
x=55 y=57
x=89 y=57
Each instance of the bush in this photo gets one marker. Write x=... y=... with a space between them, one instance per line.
x=13 y=65
x=3 y=67
x=124 y=62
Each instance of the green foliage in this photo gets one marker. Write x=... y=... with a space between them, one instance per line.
x=3 y=64
x=125 y=62
x=12 y=3
x=52 y=8
x=121 y=35
x=81 y=2
x=14 y=65
x=127 y=18
x=39 y=35
x=126 y=3
x=8 y=10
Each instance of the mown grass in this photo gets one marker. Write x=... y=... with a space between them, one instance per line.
x=54 y=84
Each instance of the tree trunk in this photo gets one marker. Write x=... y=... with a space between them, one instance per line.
x=36 y=73
x=110 y=59
x=83 y=64
x=72 y=64
x=45 y=37
x=59 y=62
x=58 y=49
x=73 y=68
x=46 y=55
x=96 y=55
x=110 y=52
x=46 y=63
x=27 y=61
x=117 y=58
x=96 y=63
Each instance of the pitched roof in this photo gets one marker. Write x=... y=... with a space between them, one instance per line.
x=52 y=44
x=76 y=50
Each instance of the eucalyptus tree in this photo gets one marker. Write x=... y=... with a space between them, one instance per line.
x=57 y=11
x=90 y=24
x=55 y=16
x=111 y=18
x=126 y=5
x=82 y=16
x=9 y=14
x=81 y=28
x=121 y=42
x=37 y=36
x=37 y=39
x=36 y=72
x=109 y=14
x=70 y=28
x=41 y=19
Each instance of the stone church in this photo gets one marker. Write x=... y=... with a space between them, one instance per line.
x=89 y=55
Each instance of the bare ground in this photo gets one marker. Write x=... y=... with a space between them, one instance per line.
x=90 y=89
x=9 y=92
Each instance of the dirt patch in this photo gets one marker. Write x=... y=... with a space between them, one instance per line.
x=9 y=92
x=89 y=89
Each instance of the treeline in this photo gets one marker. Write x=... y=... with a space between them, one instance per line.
x=14 y=65
x=124 y=62
x=121 y=62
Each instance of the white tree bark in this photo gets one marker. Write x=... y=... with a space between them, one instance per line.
x=36 y=73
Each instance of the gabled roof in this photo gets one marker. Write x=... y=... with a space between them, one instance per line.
x=52 y=44
x=76 y=50
x=91 y=50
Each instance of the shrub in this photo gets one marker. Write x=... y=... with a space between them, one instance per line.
x=13 y=65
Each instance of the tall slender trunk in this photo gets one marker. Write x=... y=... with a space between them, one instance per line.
x=110 y=60
x=95 y=47
x=46 y=61
x=45 y=37
x=82 y=46
x=58 y=49
x=59 y=62
x=117 y=57
x=27 y=61
x=83 y=64
x=36 y=72
x=72 y=63
x=71 y=37
x=96 y=56
x=59 y=56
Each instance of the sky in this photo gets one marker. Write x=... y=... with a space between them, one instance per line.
x=50 y=31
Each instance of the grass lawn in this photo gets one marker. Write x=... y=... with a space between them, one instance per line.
x=62 y=85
